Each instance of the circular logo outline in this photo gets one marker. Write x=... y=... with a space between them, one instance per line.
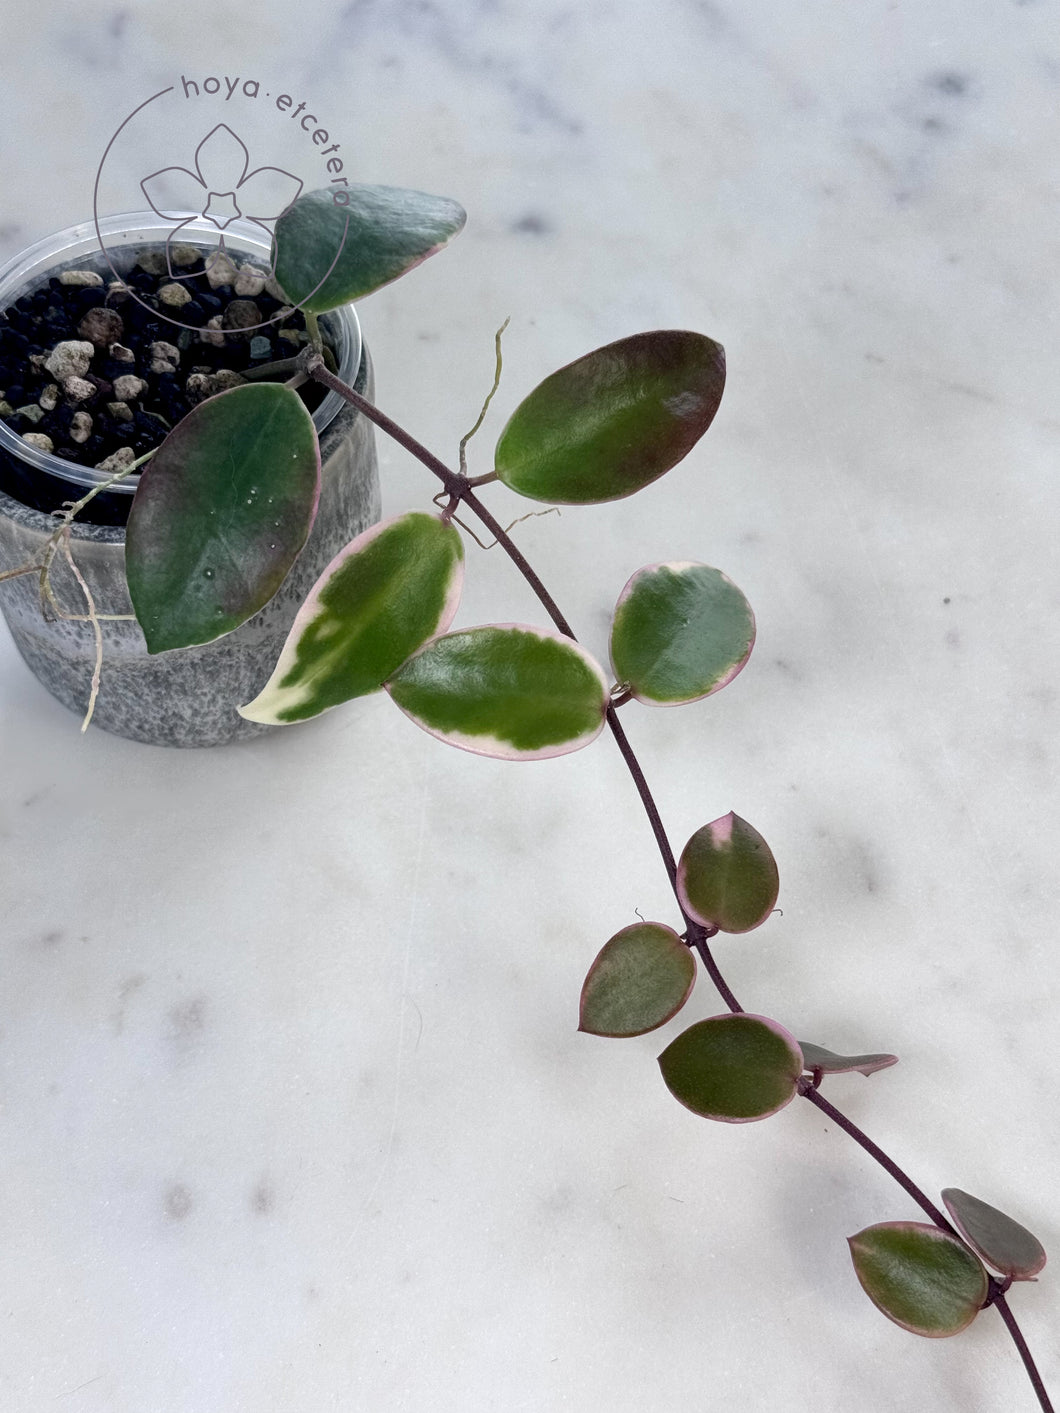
x=194 y=328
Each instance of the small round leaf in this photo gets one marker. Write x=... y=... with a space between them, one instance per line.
x=613 y=421
x=504 y=690
x=727 y=877
x=326 y=253
x=379 y=599
x=681 y=631
x=735 y=1068
x=828 y=1062
x=921 y=1277
x=1009 y=1247
x=641 y=978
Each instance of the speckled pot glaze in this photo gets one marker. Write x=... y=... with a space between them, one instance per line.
x=187 y=697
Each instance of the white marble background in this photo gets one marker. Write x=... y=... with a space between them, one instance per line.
x=294 y=1113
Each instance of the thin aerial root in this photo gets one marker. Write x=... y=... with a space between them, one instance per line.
x=96 y=629
x=489 y=398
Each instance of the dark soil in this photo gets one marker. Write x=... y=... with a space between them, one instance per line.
x=86 y=425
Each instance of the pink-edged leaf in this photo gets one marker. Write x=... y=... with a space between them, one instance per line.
x=380 y=598
x=919 y=1276
x=1000 y=1240
x=727 y=876
x=735 y=1068
x=614 y=420
x=640 y=980
x=828 y=1062
x=505 y=690
x=221 y=512
x=681 y=631
x=329 y=251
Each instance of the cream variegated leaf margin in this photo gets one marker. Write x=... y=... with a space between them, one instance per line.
x=507 y=690
x=379 y=600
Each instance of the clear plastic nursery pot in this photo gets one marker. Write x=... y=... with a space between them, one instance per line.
x=186 y=697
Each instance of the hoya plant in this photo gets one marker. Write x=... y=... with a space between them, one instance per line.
x=225 y=504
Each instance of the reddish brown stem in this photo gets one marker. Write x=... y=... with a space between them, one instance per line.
x=1024 y=1353
x=460 y=488
x=810 y=1092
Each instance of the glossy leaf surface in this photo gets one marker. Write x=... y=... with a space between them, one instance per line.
x=614 y=420
x=325 y=255
x=379 y=599
x=641 y=978
x=220 y=514
x=828 y=1062
x=680 y=632
x=735 y=1068
x=727 y=877
x=1009 y=1247
x=504 y=690
x=921 y=1277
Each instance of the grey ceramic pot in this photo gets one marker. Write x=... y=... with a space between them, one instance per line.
x=187 y=697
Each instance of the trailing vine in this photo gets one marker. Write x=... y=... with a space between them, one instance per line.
x=899 y=1284
x=206 y=552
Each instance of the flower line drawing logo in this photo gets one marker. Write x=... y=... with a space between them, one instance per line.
x=221 y=190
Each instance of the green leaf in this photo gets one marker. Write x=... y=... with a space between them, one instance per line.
x=641 y=978
x=379 y=599
x=727 y=877
x=221 y=512
x=613 y=421
x=921 y=1277
x=680 y=632
x=734 y=1067
x=504 y=690
x=828 y=1062
x=325 y=255
x=1009 y=1247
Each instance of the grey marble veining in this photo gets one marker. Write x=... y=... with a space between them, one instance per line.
x=296 y=1112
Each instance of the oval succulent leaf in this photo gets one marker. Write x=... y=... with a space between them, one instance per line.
x=735 y=1068
x=1009 y=1247
x=727 y=877
x=504 y=690
x=221 y=512
x=681 y=631
x=641 y=978
x=325 y=255
x=921 y=1277
x=828 y=1062
x=379 y=599
x=614 y=420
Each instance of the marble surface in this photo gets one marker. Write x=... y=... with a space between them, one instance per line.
x=294 y=1110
